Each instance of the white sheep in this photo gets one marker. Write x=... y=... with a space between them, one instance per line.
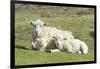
x=70 y=45
x=43 y=35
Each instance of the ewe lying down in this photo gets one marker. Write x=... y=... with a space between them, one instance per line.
x=44 y=39
x=42 y=36
x=70 y=45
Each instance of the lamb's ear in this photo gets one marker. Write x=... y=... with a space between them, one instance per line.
x=45 y=24
x=64 y=38
x=53 y=37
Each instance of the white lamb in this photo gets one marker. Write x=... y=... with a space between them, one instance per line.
x=70 y=45
x=43 y=35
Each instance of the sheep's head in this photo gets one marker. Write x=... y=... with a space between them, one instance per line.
x=37 y=26
x=58 y=40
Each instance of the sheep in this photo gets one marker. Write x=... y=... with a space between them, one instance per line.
x=81 y=46
x=43 y=35
x=70 y=45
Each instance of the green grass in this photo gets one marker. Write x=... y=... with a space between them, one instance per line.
x=67 y=19
x=27 y=57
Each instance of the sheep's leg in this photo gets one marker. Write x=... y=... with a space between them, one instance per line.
x=54 y=50
x=79 y=52
x=33 y=46
x=43 y=48
x=84 y=48
x=69 y=50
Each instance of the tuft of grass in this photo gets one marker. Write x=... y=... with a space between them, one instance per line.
x=67 y=19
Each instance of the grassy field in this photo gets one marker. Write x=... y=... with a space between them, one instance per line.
x=78 y=20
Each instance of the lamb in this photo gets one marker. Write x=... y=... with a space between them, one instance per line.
x=70 y=45
x=43 y=35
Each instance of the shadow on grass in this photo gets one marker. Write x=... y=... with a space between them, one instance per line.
x=22 y=47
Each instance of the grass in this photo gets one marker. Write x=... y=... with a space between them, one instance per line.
x=67 y=19
x=36 y=57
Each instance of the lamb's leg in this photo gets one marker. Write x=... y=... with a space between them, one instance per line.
x=42 y=49
x=84 y=48
x=69 y=48
x=54 y=50
x=79 y=52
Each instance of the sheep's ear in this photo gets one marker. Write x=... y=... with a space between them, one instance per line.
x=45 y=24
x=31 y=23
x=64 y=38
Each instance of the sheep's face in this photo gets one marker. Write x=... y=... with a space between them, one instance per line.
x=37 y=27
x=58 y=41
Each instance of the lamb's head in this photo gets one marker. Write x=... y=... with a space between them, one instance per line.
x=37 y=27
x=58 y=41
